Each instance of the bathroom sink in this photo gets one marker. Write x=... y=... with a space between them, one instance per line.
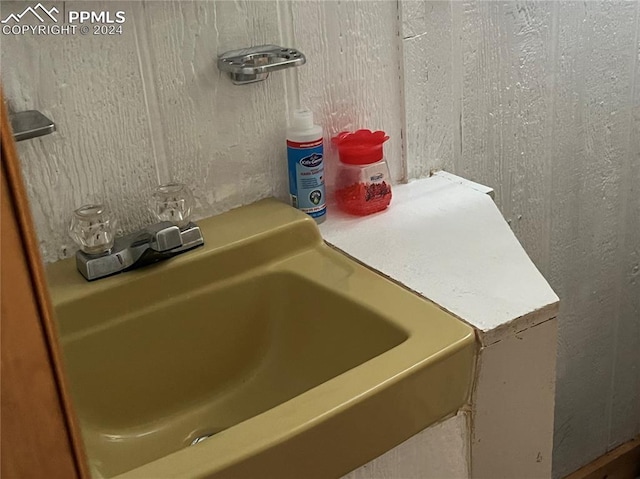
x=265 y=353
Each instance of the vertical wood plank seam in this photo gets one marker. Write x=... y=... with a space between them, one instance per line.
x=290 y=77
x=583 y=145
x=156 y=136
x=550 y=134
x=286 y=77
x=404 y=160
x=622 y=225
x=504 y=167
x=216 y=29
x=457 y=67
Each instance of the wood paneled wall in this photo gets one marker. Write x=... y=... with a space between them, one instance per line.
x=541 y=100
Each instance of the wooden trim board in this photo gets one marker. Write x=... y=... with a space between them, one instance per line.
x=39 y=436
x=621 y=463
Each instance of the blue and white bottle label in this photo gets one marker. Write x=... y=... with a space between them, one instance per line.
x=306 y=177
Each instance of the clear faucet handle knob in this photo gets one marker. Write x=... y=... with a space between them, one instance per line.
x=172 y=202
x=93 y=228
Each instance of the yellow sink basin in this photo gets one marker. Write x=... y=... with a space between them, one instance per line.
x=276 y=355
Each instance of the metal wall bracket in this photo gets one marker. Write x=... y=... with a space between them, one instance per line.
x=249 y=65
x=30 y=124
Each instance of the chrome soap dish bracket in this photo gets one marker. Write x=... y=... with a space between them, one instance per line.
x=249 y=65
x=30 y=124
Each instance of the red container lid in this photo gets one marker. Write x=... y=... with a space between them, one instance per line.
x=361 y=147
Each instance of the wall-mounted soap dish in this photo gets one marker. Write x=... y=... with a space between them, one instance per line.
x=249 y=65
x=30 y=124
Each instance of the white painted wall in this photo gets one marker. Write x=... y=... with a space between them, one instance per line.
x=541 y=100
x=150 y=106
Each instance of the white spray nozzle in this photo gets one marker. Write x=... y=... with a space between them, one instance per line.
x=302 y=119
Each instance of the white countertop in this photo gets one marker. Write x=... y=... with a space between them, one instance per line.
x=444 y=238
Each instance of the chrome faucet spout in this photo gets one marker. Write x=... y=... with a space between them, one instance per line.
x=165 y=236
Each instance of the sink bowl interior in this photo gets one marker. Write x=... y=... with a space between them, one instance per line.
x=150 y=382
x=271 y=351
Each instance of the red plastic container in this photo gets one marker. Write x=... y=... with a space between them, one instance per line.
x=362 y=184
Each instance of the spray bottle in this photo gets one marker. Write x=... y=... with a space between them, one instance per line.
x=306 y=166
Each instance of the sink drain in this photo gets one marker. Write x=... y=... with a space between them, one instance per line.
x=198 y=437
